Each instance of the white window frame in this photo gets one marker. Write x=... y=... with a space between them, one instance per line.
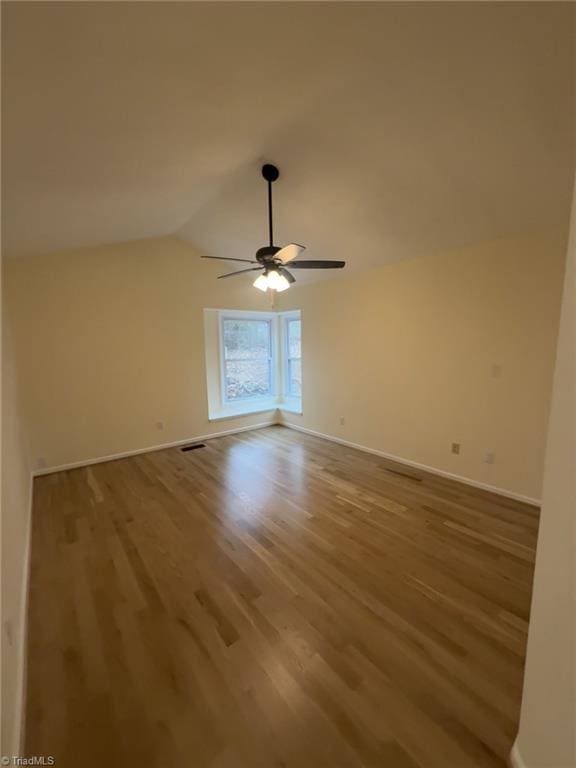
x=289 y=402
x=289 y=397
x=219 y=407
x=258 y=317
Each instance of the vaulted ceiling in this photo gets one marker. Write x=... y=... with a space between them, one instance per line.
x=399 y=128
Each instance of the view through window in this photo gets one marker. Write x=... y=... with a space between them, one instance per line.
x=247 y=359
x=294 y=356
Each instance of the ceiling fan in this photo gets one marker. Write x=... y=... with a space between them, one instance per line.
x=270 y=259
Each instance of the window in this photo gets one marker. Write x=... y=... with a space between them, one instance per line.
x=247 y=352
x=293 y=358
x=253 y=362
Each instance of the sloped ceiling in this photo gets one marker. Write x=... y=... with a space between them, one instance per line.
x=399 y=129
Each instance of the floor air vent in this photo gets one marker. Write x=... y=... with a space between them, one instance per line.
x=404 y=474
x=193 y=447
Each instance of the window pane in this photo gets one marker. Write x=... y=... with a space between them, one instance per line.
x=246 y=379
x=295 y=378
x=246 y=339
x=294 y=349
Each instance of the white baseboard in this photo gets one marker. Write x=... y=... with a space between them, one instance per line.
x=151 y=448
x=332 y=438
x=17 y=745
x=417 y=465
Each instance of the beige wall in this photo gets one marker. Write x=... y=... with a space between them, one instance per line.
x=16 y=489
x=547 y=737
x=405 y=354
x=110 y=341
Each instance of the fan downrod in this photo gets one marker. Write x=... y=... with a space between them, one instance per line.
x=270 y=172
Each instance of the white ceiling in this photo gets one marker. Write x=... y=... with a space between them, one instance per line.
x=399 y=129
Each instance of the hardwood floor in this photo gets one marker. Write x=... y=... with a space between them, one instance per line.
x=274 y=600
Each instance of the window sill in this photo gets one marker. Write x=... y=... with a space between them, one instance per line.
x=243 y=409
x=234 y=411
x=294 y=405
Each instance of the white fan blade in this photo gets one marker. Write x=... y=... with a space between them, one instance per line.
x=289 y=252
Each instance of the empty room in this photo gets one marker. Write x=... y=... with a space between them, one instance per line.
x=288 y=465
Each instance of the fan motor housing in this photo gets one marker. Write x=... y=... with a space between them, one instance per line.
x=267 y=252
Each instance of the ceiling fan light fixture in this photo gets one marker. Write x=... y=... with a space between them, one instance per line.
x=272 y=280
x=261 y=283
x=277 y=282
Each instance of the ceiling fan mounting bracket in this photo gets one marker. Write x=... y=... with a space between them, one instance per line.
x=270 y=172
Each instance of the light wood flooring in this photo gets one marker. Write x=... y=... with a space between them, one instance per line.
x=273 y=600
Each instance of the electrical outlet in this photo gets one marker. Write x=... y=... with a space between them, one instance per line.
x=40 y=462
x=496 y=371
x=160 y=425
x=342 y=421
x=489 y=457
x=456 y=448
